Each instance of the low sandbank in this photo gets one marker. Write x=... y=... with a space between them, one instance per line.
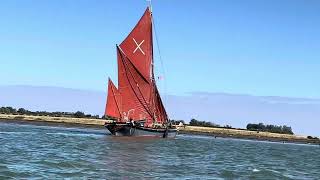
x=49 y=119
x=194 y=130
x=246 y=134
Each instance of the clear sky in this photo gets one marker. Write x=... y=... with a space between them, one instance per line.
x=257 y=47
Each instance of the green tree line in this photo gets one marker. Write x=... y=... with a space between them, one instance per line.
x=194 y=122
x=22 y=111
x=270 y=128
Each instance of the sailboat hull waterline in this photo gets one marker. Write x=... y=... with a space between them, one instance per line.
x=127 y=129
x=135 y=105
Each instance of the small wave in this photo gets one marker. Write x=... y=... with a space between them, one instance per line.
x=76 y=134
x=13 y=132
x=255 y=170
x=194 y=136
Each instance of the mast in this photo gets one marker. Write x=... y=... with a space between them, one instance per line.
x=152 y=68
x=150 y=5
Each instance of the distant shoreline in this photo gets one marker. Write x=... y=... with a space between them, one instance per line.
x=50 y=119
x=246 y=134
x=192 y=130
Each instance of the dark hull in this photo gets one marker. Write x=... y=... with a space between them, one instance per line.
x=129 y=130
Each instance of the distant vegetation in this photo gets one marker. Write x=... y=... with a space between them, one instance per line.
x=270 y=128
x=177 y=122
x=22 y=111
x=194 y=122
x=311 y=137
x=252 y=127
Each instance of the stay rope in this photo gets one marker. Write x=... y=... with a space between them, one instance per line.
x=160 y=58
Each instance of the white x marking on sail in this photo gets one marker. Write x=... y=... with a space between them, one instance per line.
x=138 y=46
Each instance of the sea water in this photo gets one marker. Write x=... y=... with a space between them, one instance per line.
x=51 y=152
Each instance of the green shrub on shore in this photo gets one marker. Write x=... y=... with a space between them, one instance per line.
x=7 y=110
x=228 y=127
x=311 y=137
x=270 y=128
x=194 y=122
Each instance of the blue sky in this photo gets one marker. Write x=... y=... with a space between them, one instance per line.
x=263 y=48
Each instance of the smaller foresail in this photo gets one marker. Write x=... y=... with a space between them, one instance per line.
x=113 y=100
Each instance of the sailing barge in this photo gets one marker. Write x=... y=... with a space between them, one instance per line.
x=135 y=108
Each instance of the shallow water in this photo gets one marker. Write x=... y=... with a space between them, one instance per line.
x=33 y=151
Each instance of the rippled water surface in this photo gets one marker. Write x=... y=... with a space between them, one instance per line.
x=33 y=151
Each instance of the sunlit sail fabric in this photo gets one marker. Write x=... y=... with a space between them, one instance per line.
x=137 y=96
x=113 y=101
x=160 y=111
x=134 y=89
x=138 y=45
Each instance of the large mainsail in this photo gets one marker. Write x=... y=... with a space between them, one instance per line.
x=134 y=89
x=140 y=98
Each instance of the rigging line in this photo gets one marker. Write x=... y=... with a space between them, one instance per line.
x=160 y=57
x=162 y=107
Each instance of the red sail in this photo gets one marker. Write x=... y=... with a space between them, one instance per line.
x=113 y=101
x=135 y=90
x=161 y=113
x=137 y=97
x=138 y=45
